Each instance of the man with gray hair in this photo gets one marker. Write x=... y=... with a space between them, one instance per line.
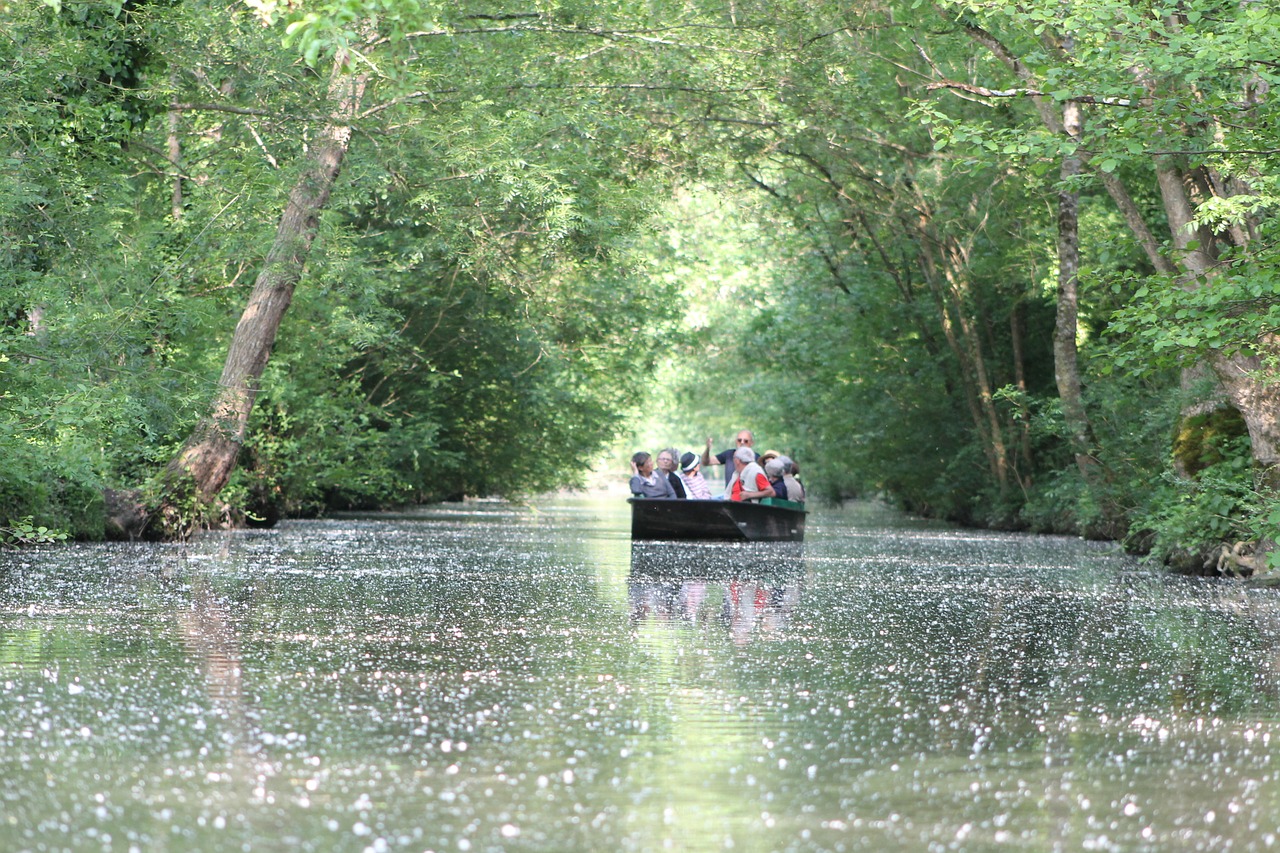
x=749 y=482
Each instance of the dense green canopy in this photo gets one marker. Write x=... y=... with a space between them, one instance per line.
x=1010 y=265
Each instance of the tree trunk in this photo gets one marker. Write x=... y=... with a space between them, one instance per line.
x=1017 y=331
x=997 y=451
x=1258 y=402
x=1066 y=367
x=1241 y=375
x=946 y=278
x=175 y=160
x=209 y=454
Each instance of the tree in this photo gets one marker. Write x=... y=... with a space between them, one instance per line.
x=931 y=224
x=415 y=37
x=520 y=179
x=1179 y=94
x=211 y=452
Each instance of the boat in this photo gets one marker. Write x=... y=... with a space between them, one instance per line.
x=771 y=520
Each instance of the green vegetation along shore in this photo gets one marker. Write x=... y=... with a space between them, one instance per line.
x=1010 y=265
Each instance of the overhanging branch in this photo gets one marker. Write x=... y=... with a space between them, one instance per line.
x=1022 y=93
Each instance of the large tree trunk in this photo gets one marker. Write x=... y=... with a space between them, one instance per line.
x=1241 y=375
x=209 y=454
x=1258 y=402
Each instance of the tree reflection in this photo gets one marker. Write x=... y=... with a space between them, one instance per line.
x=208 y=633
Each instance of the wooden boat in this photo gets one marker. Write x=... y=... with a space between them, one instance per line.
x=774 y=521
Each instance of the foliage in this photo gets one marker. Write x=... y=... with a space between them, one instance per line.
x=832 y=224
x=474 y=297
x=1167 y=324
x=25 y=532
x=841 y=185
x=1192 y=515
x=712 y=252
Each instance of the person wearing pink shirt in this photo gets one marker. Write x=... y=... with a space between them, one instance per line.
x=695 y=485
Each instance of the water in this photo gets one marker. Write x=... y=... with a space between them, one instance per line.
x=487 y=677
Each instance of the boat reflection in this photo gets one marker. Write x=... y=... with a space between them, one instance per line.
x=750 y=588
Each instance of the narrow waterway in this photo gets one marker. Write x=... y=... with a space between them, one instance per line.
x=490 y=677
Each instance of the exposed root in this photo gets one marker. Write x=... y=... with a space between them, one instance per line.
x=1239 y=560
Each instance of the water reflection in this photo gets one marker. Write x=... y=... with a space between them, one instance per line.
x=750 y=588
x=208 y=634
x=502 y=678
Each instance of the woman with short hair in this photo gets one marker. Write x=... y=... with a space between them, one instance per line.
x=645 y=483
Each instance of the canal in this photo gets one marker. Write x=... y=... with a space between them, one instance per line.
x=492 y=677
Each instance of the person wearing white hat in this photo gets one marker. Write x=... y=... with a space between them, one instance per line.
x=774 y=469
x=695 y=485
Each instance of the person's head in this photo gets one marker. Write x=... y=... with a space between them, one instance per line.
x=667 y=459
x=643 y=462
x=745 y=438
x=690 y=462
x=744 y=455
x=774 y=469
x=767 y=455
x=788 y=467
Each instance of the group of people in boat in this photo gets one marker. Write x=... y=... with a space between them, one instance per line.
x=748 y=476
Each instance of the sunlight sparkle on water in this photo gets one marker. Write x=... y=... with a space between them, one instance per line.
x=491 y=677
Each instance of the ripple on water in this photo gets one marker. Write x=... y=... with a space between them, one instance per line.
x=491 y=677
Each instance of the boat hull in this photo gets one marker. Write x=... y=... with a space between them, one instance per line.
x=653 y=518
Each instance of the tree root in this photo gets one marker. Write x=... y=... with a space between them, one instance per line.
x=1238 y=560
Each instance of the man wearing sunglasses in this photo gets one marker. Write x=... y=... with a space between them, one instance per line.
x=725 y=457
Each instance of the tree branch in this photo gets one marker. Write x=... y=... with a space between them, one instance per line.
x=811 y=40
x=220 y=108
x=1022 y=93
x=646 y=36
